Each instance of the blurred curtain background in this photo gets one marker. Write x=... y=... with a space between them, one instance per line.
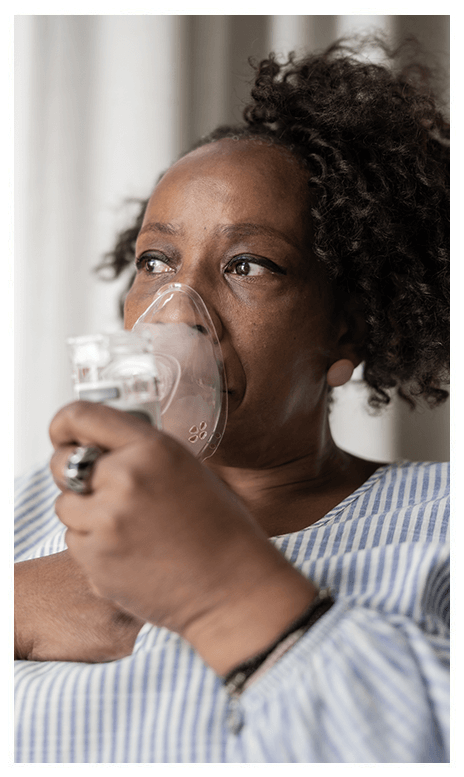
x=103 y=104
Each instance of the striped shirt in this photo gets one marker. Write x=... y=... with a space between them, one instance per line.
x=368 y=683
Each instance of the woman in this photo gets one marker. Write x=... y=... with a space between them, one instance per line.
x=316 y=234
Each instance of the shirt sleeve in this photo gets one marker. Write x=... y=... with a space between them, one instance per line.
x=37 y=529
x=369 y=682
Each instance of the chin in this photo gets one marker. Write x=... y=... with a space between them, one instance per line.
x=241 y=448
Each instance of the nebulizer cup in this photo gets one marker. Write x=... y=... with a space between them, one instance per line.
x=118 y=370
x=191 y=381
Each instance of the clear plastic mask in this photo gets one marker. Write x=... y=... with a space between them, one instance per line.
x=191 y=380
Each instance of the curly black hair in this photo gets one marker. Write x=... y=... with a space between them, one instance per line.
x=376 y=146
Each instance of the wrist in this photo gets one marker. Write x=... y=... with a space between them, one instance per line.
x=246 y=673
x=256 y=613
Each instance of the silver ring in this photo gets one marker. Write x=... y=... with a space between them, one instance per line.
x=78 y=469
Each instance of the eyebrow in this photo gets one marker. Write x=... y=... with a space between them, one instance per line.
x=247 y=228
x=242 y=229
x=160 y=226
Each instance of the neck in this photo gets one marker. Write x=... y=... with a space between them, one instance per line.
x=293 y=493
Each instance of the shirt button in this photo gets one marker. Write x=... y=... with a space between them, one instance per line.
x=235 y=718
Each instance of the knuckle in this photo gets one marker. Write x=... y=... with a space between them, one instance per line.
x=156 y=461
x=59 y=506
x=111 y=523
x=123 y=475
x=166 y=449
x=72 y=412
x=55 y=466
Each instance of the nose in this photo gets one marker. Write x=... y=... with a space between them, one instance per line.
x=177 y=303
x=177 y=307
x=199 y=273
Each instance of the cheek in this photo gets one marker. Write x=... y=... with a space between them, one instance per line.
x=129 y=316
x=286 y=369
x=134 y=306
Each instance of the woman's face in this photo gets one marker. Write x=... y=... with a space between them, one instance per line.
x=229 y=221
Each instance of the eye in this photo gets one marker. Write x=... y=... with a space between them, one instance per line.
x=153 y=264
x=246 y=267
x=250 y=266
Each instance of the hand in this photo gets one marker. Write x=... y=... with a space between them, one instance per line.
x=59 y=618
x=164 y=538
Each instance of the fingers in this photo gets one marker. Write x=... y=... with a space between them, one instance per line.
x=90 y=423
x=69 y=509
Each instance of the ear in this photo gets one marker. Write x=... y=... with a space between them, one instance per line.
x=349 y=341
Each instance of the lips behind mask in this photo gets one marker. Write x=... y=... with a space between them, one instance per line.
x=191 y=379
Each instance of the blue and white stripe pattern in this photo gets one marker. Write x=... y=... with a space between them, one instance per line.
x=368 y=683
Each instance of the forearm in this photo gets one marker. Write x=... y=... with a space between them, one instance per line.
x=58 y=617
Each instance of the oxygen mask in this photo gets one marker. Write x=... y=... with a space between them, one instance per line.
x=192 y=391
x=168 y=370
